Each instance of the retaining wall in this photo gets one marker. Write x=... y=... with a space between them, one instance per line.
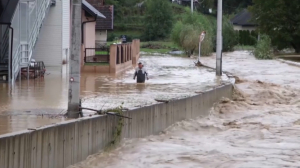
x=67 y=143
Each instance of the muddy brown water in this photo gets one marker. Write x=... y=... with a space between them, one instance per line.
x=35 y=103
x=259 y=127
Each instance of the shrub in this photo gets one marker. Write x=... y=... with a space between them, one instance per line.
x=263 y=48
x=186 y=33
x=158 y=20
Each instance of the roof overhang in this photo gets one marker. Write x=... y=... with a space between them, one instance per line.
x=8 y=12
x=91 y=10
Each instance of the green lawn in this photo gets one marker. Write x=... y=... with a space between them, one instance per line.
x=96 y=63
x=161 y=51
x=102 y=53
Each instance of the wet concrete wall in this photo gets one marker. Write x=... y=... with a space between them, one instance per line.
x=67 y=143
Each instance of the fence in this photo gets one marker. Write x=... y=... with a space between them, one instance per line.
x=26 y=22
x=96 y=55
x=67 y=143
x=119 y=57
x=123 y=56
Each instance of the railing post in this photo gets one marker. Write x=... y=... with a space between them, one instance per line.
x=112 y=58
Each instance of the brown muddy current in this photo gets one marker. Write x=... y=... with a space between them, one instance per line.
x=258 y=128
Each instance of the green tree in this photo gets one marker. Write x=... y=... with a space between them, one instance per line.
x=158 y=19
x=263 y=48
x=280 y=20
x=186 y=33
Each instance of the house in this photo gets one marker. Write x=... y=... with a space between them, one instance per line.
x=40 y=29
x=90 y=16
x=103 y=25
x=243 y=21
x=53 y=48
x=184 y=2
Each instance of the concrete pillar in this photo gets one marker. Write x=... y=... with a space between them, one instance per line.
x=112 y=58
x=75 y=61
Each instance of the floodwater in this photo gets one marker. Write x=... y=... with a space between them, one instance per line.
x=35 y=103
x=259 y=127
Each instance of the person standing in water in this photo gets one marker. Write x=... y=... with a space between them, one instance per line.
x=140 y=73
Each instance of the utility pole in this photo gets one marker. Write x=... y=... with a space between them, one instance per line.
x=74 y=64
x=192 y=6
x=219 y=40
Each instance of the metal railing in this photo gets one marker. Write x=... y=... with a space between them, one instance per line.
x=27 y=22
x=96 y=55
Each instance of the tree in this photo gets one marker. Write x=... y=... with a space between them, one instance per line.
x=158 y=19
x=186 y=33
x=229 y=6
x=280 y=20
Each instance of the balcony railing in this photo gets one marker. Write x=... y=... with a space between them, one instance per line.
x=27 y=22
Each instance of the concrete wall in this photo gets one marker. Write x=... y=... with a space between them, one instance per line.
x=67 y=143
x=95 y=69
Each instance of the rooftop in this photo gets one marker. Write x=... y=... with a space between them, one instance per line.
x=243 y=19
x=91 y=10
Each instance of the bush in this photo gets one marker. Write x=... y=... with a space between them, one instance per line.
x=186 y=33
x=263 y=48
x=245 y=37
x=111 y=37
x=230 y=36
x=158 y=20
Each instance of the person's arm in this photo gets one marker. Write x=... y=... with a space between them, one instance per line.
x=135 y=74
x=146 y=73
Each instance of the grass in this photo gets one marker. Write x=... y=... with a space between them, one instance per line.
x=102 y=53
x=162 y=47
x=96 y=63
x=161 y=51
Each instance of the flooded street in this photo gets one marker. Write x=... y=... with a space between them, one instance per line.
x=258 y=128
x=35 y=103
x=170 y=77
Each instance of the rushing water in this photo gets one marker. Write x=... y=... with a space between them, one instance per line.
x=34 y=103
x=258 y=128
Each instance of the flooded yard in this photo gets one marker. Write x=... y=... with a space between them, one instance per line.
x=35 y=103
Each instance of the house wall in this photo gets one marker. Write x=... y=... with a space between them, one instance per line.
x=89 y=33
x=237 y=27
x=49 y=44
x=66 y=29
x=101 y=37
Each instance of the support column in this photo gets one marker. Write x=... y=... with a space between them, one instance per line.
x=219 y=40
x=75 y=61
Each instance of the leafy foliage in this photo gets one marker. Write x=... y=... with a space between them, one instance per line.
x=158 y=20
x=230 y=37
x=280 y=20
x=186 y=33
x=263 y=48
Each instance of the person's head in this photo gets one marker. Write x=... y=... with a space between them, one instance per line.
x=140 y=65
